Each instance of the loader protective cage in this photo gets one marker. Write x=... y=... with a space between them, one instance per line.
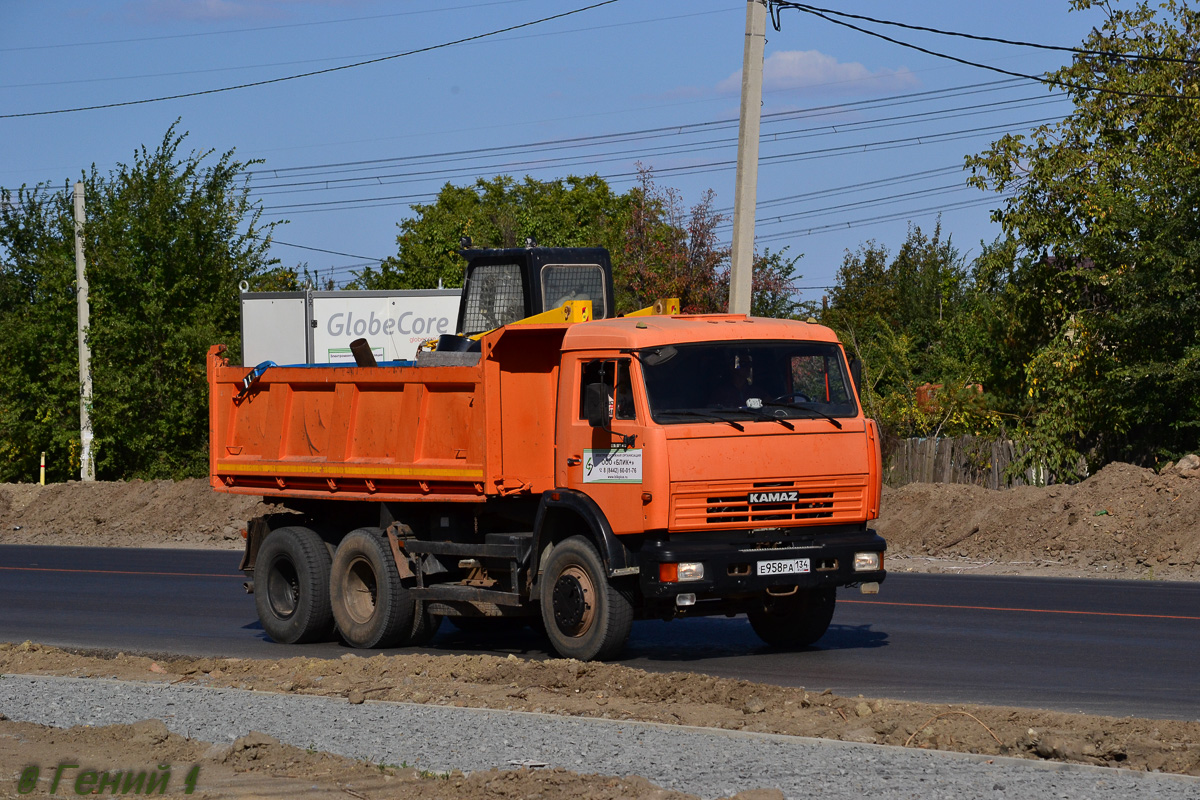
x=503 y=286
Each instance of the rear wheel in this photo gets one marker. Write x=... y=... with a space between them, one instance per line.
x=585 y=616
x=291 y=586
x=370 y=606
x=796 y=620
x=425 y=625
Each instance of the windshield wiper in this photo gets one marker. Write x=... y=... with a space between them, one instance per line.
x=708 y=415
x=798 y=407
x=758 y=412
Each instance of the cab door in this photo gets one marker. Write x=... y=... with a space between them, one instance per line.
x=606 y=465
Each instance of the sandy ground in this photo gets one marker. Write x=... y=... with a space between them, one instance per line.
x=258 y=766
x=1123 y=522
x=612 y=691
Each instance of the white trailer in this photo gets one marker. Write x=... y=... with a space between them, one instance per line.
x=317 y=327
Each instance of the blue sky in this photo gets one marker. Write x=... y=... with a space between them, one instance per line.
x=860 y=136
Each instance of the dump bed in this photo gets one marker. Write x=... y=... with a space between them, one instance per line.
x=431 y=431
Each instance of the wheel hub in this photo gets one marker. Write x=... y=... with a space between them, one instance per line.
x=360 y=591
x=283 y=588
x=571 y=607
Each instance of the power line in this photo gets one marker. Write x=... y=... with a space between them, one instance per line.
x=891 y=217
x=849 y=188
x=778 y=219
x=260 y=28
x=666 y=130
x=321 y=183
x=317 y=249
x=1075 y=87
x=696 y=169
x=564 y=161
x=980 y=38
x=360 y=202
x=314 y=72
x=368 y=202
x=327 y=59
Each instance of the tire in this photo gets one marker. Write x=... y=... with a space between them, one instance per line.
x=794 y=621
x=370 y=606
x=291 y=586
x=585 y=616
x=425 y=626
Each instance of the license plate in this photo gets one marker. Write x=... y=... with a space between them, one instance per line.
x=783 y=566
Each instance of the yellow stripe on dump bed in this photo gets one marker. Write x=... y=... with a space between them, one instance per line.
x=359 y=470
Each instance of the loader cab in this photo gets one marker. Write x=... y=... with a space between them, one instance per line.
x=503 y=286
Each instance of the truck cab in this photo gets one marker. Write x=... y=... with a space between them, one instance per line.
x=730 y=459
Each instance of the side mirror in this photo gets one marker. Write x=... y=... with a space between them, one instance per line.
x=856 y=375
x=595 y=403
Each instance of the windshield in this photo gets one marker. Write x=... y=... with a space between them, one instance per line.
x=746 y=381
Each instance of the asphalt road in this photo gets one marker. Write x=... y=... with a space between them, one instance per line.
x=1097 y=646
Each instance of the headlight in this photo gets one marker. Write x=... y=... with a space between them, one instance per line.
x=868 y=562
x=681 y=572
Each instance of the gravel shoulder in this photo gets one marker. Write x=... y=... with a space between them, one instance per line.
x=570 y=688
x=441 y=741
x=256 y=765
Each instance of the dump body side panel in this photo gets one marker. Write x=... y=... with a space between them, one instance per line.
x=386 y=433
x=526 y=361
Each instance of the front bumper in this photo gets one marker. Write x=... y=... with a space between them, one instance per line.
x=731 y=561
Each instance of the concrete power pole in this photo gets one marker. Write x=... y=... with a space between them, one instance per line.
x=87 y=467
x=746 y=189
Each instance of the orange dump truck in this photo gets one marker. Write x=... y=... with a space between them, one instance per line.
x=582 y=474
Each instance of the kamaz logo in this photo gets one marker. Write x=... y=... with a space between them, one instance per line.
x=773 y=497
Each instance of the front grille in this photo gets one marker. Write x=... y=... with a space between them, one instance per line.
x=727 y=505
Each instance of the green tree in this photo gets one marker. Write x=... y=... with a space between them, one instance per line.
x=773 y=286
x=168 y=239
x=1103 y=206
x=671 y=251
x=500 y=212
x=906 y=317
x=39 y=367
x=659 y=247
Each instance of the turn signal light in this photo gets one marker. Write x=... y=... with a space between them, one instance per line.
x=681 y=572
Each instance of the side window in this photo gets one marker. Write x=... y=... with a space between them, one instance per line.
x=614 y=375
x=819 y=379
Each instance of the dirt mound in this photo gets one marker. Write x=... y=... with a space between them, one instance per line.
x=259 y=766
x=1124 y=520
x=125 y=514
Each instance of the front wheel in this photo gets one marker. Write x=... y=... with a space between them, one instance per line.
x=585 y=616
x=795 y=620
x=291 y=586
x=372 y=609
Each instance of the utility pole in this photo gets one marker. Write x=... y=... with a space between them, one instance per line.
x=87 y=466
x=746 y=190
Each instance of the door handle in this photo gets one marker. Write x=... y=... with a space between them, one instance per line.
x=573 y=461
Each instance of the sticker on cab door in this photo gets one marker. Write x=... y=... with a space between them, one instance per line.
x=612 y=466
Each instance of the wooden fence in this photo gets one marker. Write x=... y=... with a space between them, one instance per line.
x=961 y=459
